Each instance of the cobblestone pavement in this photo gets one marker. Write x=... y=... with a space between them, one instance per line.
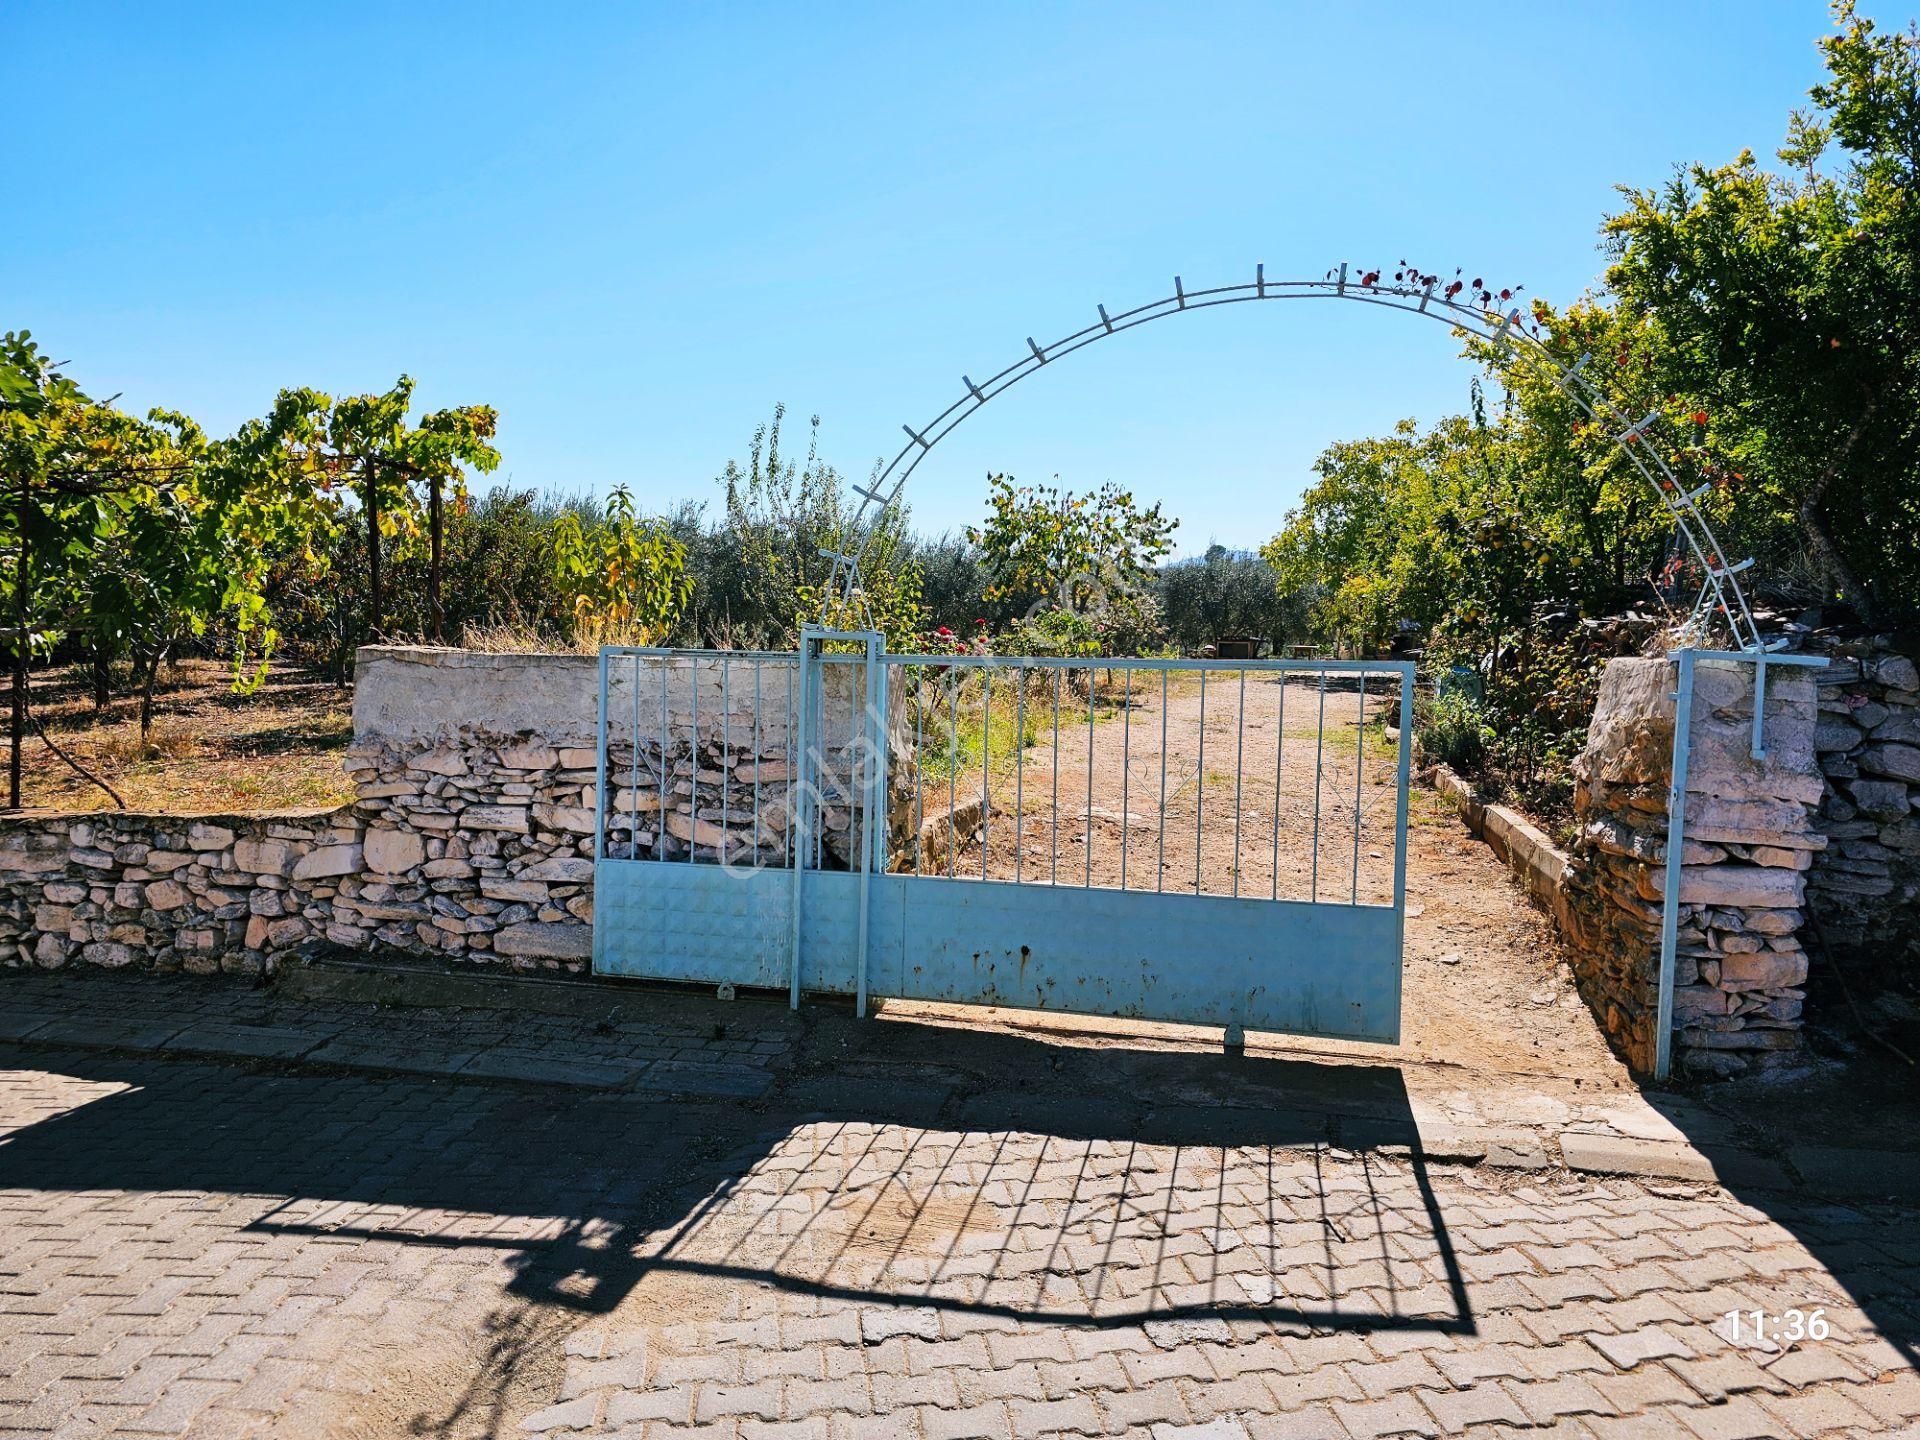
x=226 y=1250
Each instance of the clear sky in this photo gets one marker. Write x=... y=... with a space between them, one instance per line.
x=634 y=227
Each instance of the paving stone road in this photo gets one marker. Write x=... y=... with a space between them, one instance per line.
x=217 y=1250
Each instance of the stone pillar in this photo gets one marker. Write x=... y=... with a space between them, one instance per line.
x=1750 y=840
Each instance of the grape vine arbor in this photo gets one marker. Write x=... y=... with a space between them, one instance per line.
x=1508 y=332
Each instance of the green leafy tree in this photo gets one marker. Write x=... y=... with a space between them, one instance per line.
x=1783 y=308
x=1047 y=548
x=403 y=474
x=625 y=578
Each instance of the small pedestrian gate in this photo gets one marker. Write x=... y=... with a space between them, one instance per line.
x=1209 y=842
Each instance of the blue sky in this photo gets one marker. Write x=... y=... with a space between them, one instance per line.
x=633 y=228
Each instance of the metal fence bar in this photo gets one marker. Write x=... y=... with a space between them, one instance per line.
x=1359 y=770
x=797 y=820
x=726 y=752
x=1126 y=775
x=919 y=773
x=1053 y=863
x=868 y=823
x=1239 y=757
x=953 y=770
x=1319 y=754
x=1086 y=824
x=1019 y=769
x=1200 y=783
x=986 y=762
x=660 y=819
x=1160 y=876
x=759 y=748
x=1279 y=766
x=693 y=764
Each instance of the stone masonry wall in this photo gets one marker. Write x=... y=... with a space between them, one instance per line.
x=218 y=892
x=1864 y=890
x=1751 y=840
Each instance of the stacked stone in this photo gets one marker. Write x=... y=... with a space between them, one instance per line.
x=223 y=892
x=1865 y=889
x=1750 y=840
x=476 y=845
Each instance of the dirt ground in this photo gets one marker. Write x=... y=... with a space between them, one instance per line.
x=210 y=749
x=1487 y=984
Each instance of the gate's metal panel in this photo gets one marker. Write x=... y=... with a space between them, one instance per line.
x=665 y=920
x=1204 y=960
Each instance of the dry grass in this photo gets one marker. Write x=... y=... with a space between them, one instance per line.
x=209 y=749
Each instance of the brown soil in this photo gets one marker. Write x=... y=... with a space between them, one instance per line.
x=1487 y=985
x=210 y=749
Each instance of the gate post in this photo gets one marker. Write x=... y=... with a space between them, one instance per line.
x=797 y=791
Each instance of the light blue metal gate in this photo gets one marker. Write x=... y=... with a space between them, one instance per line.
x=1203 y=841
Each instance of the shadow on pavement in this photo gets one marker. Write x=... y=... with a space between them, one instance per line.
x=1141 y=1197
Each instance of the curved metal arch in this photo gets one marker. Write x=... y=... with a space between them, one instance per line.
x=1720 y=594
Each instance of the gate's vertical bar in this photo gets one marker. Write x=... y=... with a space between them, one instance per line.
x=790 y=744
x=1319 y=757
x=633 y=774
x=883 y=753
x=1126 y=772
x=1053 y=862
x=1239 y=754
x=797 y=818
x=1279 y=764
x=1676 y=844
x=986 y=758
x=1160 y=878
x=1200 y=784
x=1087 y=823
x=693 y=758
x=758 y=748
x=1359 y=769
x=953 y=770
x=1019 y=764
x=660 y=822
x=919 y=683
x=600 y=770
x=1402 y=778
x=869 y=768
x=726 y=749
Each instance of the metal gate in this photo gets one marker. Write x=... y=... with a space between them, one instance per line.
x=1214 y=842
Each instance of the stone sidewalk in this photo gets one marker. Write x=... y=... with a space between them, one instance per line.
x=901 y=1229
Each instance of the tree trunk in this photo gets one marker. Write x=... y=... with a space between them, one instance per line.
x=434 y=614
x=102 y=677
x=146 y=691
x=1840 y=574
x=373 y=552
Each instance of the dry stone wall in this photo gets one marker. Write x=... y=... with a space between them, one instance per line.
x=1751 y=842
x=1864 y=888
x=216 y=892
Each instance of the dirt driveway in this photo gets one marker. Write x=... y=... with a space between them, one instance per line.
x=1263 y=781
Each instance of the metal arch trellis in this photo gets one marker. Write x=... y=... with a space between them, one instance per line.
x=1720 y=594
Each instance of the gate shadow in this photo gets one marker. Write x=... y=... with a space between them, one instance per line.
x=1056 y=1201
